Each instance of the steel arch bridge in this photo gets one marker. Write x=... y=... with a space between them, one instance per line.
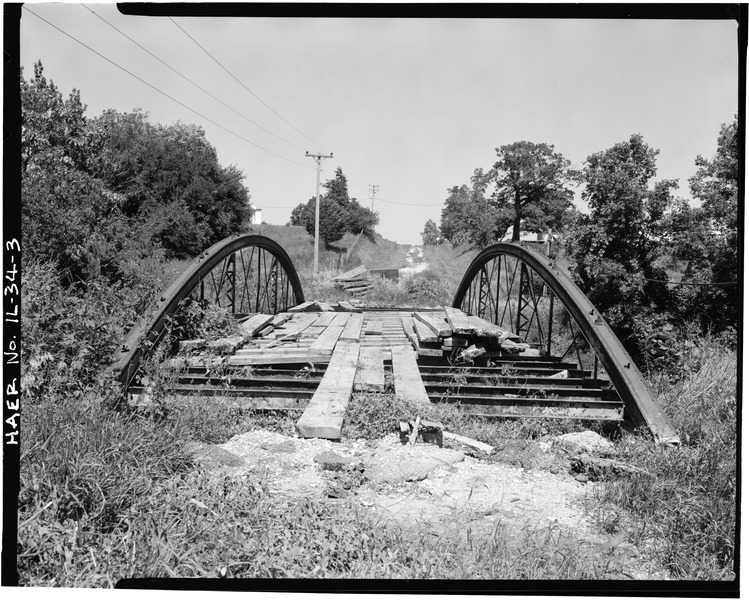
x=516 y=288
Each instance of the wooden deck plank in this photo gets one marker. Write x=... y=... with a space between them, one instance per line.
x=406 y=378
x=352 y=330
x=301 y=307
x=297 y=323
x=326 y=318
x=269 y=358
x=370 y=376
x=323 y=417
x=255 y=323
x=435 y=321
x=340 y=319
x=327 y=340
x=486 y=328
x=348 y=307
x=424 y=333
x=373 y=328
x=408 y=328
x=281 y=318
x=459 y=321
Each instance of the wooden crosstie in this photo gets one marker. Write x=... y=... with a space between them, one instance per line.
x=316 y=360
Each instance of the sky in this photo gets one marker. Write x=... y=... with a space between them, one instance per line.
x=411 y=106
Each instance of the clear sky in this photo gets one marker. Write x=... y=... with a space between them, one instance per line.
x=410 y=105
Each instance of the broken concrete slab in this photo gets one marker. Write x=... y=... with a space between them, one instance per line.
x=585 y=441
x=331 y=461
x=397 y=464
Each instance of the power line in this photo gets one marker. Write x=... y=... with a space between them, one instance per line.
x=244 y=86
x=190 y=80
x=683 y=282
x=162 y=92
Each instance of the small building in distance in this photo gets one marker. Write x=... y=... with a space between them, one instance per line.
x=257 y=215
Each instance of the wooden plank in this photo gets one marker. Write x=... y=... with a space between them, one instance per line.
x=355 y=285
x=326 y=318
x=324 y=306
x=269 y=402
x=435 y=321
x=301 y=322
x=265 y=331
x=313 y=332
x=323 y=417
x=255 y=323
x=340 y=319
x=406 y=378
x=280 y=351
x=459 y=321
x=370 y=376
x=301 y=307
x=373 y=328
x=281 y=318
x=468 y=442
x=424 y=333
x=352 y=274
x=268 y=358
x=352 y=330
x=408 y=329
x=348 y=307
x=327 y=340
x=486 y=328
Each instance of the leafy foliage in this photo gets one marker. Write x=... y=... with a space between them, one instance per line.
x=88 y=184
x=616 y=246
x=339 y=214
x=469 y=217
x=431 y=235
x=528 y=183
x=716 y=185
x=531 y=185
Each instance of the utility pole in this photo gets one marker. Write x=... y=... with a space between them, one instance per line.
x=318 y=158
x=372 y=191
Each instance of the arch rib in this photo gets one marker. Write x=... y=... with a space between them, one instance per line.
x=626 y=377
x=149 y=329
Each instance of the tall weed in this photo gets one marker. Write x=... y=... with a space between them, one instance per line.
x=688 y=505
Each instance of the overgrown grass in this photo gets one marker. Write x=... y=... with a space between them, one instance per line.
x=210 y=524
x=374 y=415
x=687 y=509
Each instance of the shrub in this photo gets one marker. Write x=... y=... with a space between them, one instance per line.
x=428 y=288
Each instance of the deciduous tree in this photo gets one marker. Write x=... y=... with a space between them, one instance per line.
x=617 y=246
x=431 y=235
x=469 y=217
x=531 y=184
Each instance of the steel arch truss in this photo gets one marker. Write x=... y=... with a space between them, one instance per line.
x=522 y=291
x=245 y=274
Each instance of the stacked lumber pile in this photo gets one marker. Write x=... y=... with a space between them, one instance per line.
x=356 y=281
x=436 y=334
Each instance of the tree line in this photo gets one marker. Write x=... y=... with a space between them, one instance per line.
x=637 y=234
x=99 y=195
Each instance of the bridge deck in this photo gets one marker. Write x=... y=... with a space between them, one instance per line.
x=314 y=361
